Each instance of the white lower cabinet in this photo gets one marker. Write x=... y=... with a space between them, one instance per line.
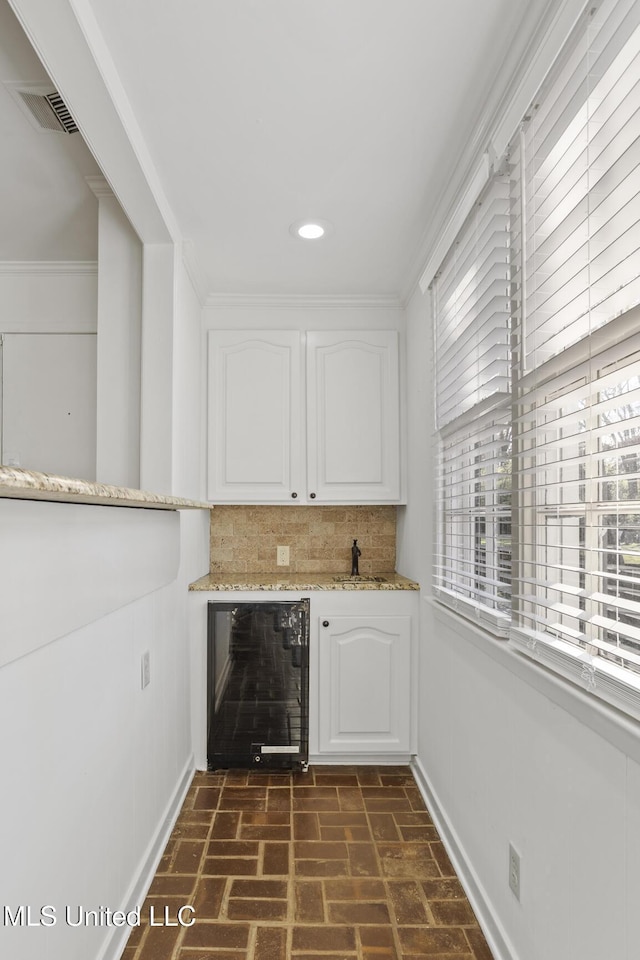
x=364 y=676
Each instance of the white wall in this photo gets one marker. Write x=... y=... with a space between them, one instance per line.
x=48 y=402
x=508 y=754
x=92 y=764
x=94 y=767
x=48 y=297
x=49 y=319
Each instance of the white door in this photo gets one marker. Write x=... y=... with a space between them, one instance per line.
x=254 y=416
x=364 y=684
x=353 y=416
x=49 y=403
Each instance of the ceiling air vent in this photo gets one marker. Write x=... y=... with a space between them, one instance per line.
x=49 y=110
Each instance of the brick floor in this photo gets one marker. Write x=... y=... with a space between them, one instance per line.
x=338 y=863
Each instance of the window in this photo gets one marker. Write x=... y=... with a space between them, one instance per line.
x=472 y=321
x=474 y=556
x=576 y=567
x=560 y=460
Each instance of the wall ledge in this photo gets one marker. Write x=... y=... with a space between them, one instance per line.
x=19 y=484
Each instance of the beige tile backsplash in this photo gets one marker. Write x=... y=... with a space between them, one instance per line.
x=244 y=538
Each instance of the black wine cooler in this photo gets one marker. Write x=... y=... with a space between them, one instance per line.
x=258 y=685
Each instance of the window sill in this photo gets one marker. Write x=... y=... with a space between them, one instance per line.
x=492 y=620
x=598 y=677
x=617 y=726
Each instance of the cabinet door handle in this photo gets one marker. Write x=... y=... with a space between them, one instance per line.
x=312 y=496
x=325 y=623
x=294 y=495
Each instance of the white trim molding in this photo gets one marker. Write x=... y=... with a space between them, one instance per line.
x=375 y=759
x=456 y=218
x=49 y=296
x=296 y=301
x=48 y=268
x=557 y=25
x=99 y=187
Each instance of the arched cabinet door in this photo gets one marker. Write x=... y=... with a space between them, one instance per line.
x=254 y=416
x=303 y=417
x=353 y=416
x=364 y=684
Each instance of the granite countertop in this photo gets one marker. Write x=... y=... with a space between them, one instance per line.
x=277 y=580
x=19 y=484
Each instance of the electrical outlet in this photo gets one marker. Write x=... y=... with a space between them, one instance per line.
x=282 y=556
x=514 y=871
x=145 y=669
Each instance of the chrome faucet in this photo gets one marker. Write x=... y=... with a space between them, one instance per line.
x=355 y=553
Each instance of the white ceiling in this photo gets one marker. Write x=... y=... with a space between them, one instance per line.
x=257 y=113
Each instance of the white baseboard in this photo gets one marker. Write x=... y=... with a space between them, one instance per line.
x=495 y=937
x=143 y=878
x=360 y=759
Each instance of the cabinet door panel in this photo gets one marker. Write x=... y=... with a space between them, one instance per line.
x=362 y=697
x=254 y=415
x=365 y=668
x=353 y=415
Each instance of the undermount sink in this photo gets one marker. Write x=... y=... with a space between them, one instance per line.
x=348 y=579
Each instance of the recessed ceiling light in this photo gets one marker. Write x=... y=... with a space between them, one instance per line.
x=310 y=229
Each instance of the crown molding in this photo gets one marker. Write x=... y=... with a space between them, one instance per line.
x=308 y=301
x=46 y=268
x=99 y=187
x=456 y=218
x=543 y=50
x=512 y=90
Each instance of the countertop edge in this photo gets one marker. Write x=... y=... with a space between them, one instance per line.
x=217 y=583
x=19 y=484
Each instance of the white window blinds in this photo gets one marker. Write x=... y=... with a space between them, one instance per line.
x=577 y=471
x=576 y=415
x=473 y=551
x=471 y=299
x=576 y=236
x=472 y=310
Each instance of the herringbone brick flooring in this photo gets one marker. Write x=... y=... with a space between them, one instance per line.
x=339 y=863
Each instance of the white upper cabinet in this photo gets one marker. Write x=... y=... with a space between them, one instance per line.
x=254 y=416
x=353 y=416
x=305 y=418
